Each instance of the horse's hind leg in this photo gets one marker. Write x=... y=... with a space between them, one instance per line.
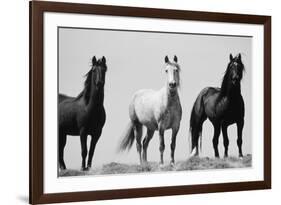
x=162 y=145
x=240 y=126
x=138 y=135
x=62 y=142
x=216 y=139
x=145 y=143
x=173 y=144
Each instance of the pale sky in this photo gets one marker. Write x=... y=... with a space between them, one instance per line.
x=135 y=61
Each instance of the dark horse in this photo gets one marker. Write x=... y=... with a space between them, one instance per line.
x=85 y=114
x=223 y=106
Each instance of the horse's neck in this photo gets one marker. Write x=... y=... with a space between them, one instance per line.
x=170 y=97
x=232 y=93
x=96 y=98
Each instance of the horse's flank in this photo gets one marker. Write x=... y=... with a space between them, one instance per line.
x=161 y=108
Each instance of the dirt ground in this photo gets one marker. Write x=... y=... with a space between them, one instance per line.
x=194 y=163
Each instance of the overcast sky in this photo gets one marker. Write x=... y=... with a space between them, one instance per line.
x=135 y=61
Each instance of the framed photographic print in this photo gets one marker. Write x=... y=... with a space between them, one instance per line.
x=139 y=102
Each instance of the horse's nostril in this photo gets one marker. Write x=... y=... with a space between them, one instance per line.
x=172 y=84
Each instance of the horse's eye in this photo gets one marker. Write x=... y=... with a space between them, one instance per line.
x=166 y=71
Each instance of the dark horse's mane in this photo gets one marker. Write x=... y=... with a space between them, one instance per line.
x=225 y=81
x=87 y=87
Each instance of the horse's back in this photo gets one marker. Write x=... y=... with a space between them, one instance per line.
x=145 y=97
x=205 y=94
x=63 y=97
x=68 y=109
x=215 y=106
x=142 y=107
x=205 y=101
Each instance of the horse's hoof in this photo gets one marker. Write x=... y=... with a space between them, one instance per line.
x=161 y=164
x=62 y=168
x=144 y=163
x=194 y=153
x=172 y=164
x=84 y=169
x=225 y=156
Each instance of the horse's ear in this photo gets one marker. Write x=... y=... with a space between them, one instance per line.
x=239 y=56
x=175 y=58
x=166 y=59
x=103 y=60
x=94 y=60
x=230 y=57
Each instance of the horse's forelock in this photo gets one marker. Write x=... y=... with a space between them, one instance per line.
x=237 y=60
x=174 y=64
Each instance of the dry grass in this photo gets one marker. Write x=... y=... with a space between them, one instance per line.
x=194 y=163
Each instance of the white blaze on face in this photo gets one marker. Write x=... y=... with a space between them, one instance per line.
x=173 y=76
x=177 y=75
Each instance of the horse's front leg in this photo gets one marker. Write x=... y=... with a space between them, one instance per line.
x=240 y=126
x=94 y=139
x=225 y=139
x=173 y=145
x=84 y=150
x=62 y=142
x=216 y=139
x=162 y=145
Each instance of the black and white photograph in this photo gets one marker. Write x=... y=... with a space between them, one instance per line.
x=129 y=102
x=147 y=101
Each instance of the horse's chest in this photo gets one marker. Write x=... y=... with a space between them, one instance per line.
x=170 y=117
x=230 y=110
x=93 y=121
x=90 y=121
x=234 y=113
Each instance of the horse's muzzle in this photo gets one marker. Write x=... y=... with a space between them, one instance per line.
x=173 y=85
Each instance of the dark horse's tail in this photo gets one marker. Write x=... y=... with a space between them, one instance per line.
x=128 y=137
x=197 y=118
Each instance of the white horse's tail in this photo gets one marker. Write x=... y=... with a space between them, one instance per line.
x=128 y=137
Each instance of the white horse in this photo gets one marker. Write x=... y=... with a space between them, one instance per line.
x=156 y=110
